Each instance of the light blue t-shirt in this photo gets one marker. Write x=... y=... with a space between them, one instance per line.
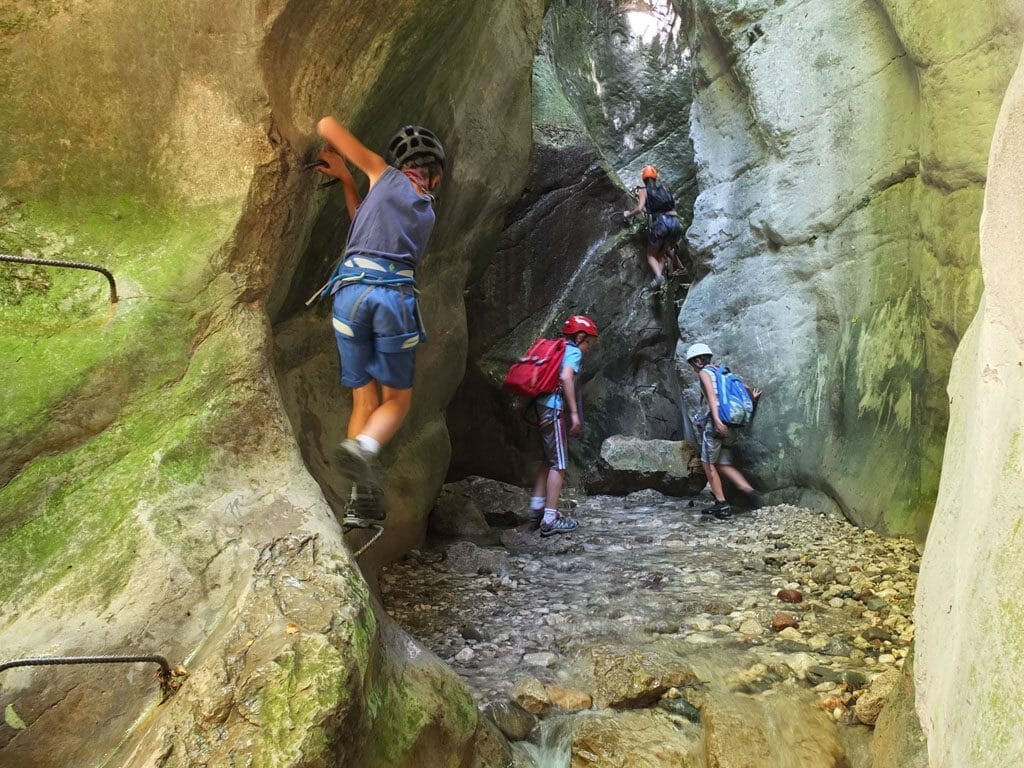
x=571 y=357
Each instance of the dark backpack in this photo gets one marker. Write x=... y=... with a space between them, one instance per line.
x=659 y=199
x=539 y=371
x=666 y=227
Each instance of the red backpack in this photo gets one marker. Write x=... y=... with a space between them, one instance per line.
x=539 y=371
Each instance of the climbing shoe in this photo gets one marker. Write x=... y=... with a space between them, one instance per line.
x=363 y=510
x=560 y=525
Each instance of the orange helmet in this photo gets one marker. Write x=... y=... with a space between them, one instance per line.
x=649 y=172
x=578 y=323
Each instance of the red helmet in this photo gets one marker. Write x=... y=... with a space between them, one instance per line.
x=649 y=172
x=578 y=323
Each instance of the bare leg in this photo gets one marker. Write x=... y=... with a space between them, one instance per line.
x=654 y=259
x=734 y=476
x=386 y=419
x=711 y=470
x=540 y=484
x=365 y=400
x=673 y=253
x=555 y=479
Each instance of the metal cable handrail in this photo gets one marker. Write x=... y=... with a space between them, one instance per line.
x=70 y=264
x=170 y=680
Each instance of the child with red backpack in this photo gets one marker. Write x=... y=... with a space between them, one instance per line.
x=579 y=332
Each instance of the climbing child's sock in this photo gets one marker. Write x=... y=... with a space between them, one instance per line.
x=368 y=444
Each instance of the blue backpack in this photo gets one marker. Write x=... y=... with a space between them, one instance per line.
x=735 y=406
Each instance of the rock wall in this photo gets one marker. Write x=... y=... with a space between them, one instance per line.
x=841 y=163
x=970 y=624
x=607 y=100
x=152 y=499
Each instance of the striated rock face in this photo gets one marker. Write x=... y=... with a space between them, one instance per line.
x=968 y=603
x=152 y=499
x=841 y=153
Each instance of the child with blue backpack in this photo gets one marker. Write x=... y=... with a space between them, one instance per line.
x=717 y=438
x=376 y=317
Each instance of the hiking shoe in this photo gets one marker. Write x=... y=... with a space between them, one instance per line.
x=364 y=509
x=560 y=525
x=536 y=517
x=657 y=280
x=357 y=464
x=755 y=499
x=720 y=509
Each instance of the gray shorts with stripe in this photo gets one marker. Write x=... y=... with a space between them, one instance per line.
x=552 y=437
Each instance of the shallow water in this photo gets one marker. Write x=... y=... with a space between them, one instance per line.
x=654 y=574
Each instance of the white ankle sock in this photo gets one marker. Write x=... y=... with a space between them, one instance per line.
x=537 y=503
x=368 y=444
x=550 y=515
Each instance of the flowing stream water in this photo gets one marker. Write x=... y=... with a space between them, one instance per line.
x=652 y=581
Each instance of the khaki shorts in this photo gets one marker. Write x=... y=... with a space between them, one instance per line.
x=715 y=449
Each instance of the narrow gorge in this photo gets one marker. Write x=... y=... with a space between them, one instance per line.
x=848 y=176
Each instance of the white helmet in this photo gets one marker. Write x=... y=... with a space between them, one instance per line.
x=696 y=350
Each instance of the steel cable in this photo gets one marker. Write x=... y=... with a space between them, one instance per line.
x=70 y=264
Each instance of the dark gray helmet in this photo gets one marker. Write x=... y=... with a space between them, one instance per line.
x=414 y=141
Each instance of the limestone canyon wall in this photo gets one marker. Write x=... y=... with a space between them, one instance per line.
x=152 y=497
x=841 y=152
x=970 y=624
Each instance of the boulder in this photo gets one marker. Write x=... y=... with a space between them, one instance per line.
x=467 y=557
x=743 y=732
x=625 y=678
x=877 y=694
x=629 y=464
x=472 y=505
x=511 y=719
x=530 y=694
x=637 y=739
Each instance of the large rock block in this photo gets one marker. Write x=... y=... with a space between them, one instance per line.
x=630 y=464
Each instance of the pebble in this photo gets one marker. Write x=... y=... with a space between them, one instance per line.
x=540 y=659
x=657 y=573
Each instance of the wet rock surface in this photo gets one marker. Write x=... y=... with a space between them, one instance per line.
x=651 y=602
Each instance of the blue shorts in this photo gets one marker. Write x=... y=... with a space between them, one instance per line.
x=664 y=229
x=377 y=329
